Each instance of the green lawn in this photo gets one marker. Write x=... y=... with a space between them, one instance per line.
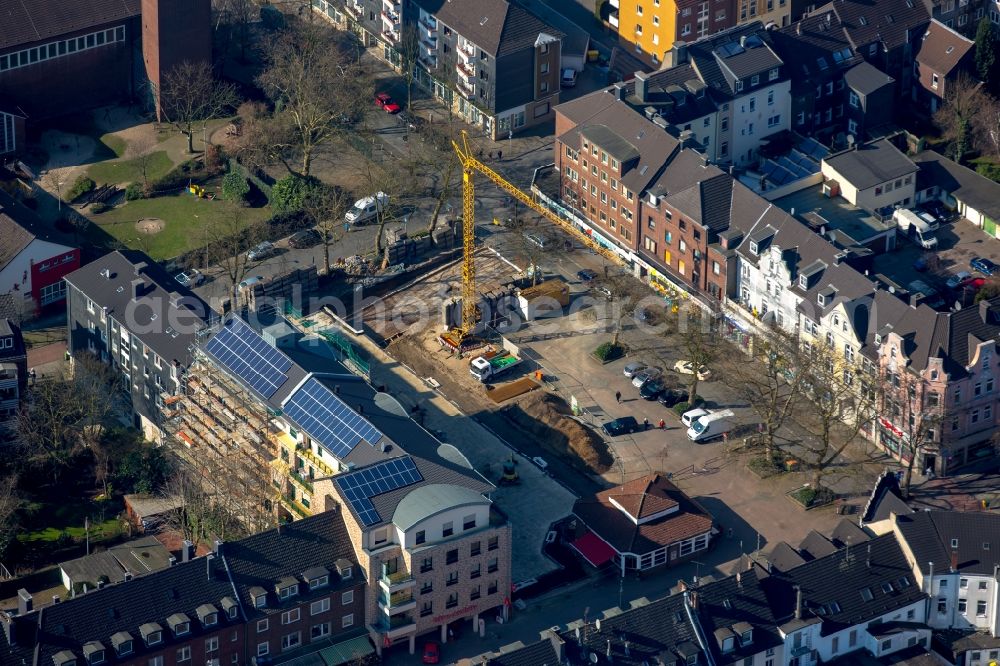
x=115 y=144
x=185 y=217
x=128 y=171
x=49 y=521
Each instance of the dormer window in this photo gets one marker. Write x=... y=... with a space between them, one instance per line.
x=152 y=633
x=804 y=281
x=746 y=638
x=93 y=651
x=125 y=648
x=154 y=638
x=317 y=583
x=211 y=620
x=821 y=299
x=179 y=623
x=727 y=644
x=233 y=610
x=739 y=86
x=260 y=601
x=64 y=658
x=208 y=615
x=122 y=643
x=754 y=248
x=345 y=573
x=316 y=577
x=288 y=592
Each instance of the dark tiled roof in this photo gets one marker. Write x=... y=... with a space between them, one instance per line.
x=885 y=499
x=171 y=325
x=535 y=654
x=783 y=557
x=942 y=48
x=25 y=21
x=496 y=26
x=886 y=21
x=289 y=551
x=962 y=183
x=871 y=164
x=708 y=202
x=720 y=72
x=815 y=545
x=644 y=497
x=612 y=525
x=847 y=533
x=835 y=588
x=13 y=239
x=738 y=601
x=930 y=534
x=865 y=78
x=616 y=145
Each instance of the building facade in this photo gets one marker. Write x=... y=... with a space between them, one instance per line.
x=13 y=376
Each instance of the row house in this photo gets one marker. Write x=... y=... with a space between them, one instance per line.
x=839 y=598
x=962 y=15
x=944 y=56
x=127 y=311
x=13 y=376
x=278 y=593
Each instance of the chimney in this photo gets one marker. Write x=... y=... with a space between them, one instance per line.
x=187 y=551
x=984 y=310
x=25 y=602
x=217 y=547
x=56 y=599
x=694 y=599
x=140 y=267
x=954 y=560
x=620 y=90
x=136 y=288
x=172 y=560
x=996 y=571
x=798 y=27
x=100 y=585
x=558 y=644
x=128 y=576
x=930 y=578
x=798 y=602
x=678 y=54
x=641 y=79
x=739 y=580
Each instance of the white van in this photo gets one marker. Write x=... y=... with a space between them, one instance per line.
x=916 y=228
x=367 y=208
x=711 y=425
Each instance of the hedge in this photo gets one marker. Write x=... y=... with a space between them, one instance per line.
x=82 y=185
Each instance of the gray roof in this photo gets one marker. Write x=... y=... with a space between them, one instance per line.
x=964 y=184
x=784 y=557
x=864 y=78
x=138 y=557
x=425 y=501
x=496 y=26
x=870 y=164
x=720 y=71
x=708 y=202
x=888 y=22
x=930 y=535
x=13 y=239
x=171 y=314
x=575 y=41
x=942 y=49
x=616 y=145
x=26 y=22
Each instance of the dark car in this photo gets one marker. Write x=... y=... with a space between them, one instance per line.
x=941 y=212
x=586 y=275
x=651 y=389
x=304 y=238
x=670 y=397
x=984 y=266
x=622 y=426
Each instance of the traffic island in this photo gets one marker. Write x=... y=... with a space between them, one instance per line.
x=809 y=497
x=607 y=352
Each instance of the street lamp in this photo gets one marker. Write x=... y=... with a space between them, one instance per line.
x=59 y=194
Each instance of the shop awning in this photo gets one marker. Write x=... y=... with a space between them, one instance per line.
x=593 y=549
x=347 y=652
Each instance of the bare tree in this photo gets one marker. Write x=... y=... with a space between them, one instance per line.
x=327 y=206
x=768 y=381
x=834 y=409
x=915 y=412
x=10 y=505
x=317 y=88
x=626 y=293
x=409 y=50
x=986 y=124
x=964 y=101
x=699 y=343
x=190 y=96
x=237 y=16
x=140 y=151
x=227 y=241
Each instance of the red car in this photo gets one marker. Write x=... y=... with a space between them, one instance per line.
x=432 y=653
x=384 y=101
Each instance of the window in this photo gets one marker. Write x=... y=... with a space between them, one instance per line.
x=754 y=80
x=347 y=598
x=739 y=86
x=319 y=630
x=318 y=606
x=426 y=608
x=447 y=529
x=981 y=608
x=476 y=571
x=492 y=565
x=452 y=579
x=983 y=584
x=290 y=616
x=963 y=583
x=476 y=548
x=261 y=626
x=962 y=606
x=289 y=591
x=212 y=644
x=493 y=543
x=452 y=600
x=291 y=641
x=317 y=583
x=156 y=661
x=773 y=74
x=421 y=537
x=545 y=66
x=263 y=649
x=451 y=557
x=184 y=653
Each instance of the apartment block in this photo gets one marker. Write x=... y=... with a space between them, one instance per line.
x=279 y=595
x=649 y=28
x=13 y=375
x=129 y=312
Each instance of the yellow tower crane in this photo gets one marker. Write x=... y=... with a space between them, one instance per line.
x=470 y=166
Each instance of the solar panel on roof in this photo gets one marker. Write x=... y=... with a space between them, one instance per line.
x=329 y=420
x=248 y=356
x=360 y=486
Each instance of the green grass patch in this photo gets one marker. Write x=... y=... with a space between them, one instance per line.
x=115 y=144
x=810 y=497
x=129 y=171
x=186 y=217
x=607 y=352
x=50 y=523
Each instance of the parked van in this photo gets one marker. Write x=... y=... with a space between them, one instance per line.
x=367 y=209
x=710 y=426
x=916 y=228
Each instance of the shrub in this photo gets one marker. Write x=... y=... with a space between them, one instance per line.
x=235 y=187
x=134 y=191
x=682 y=407
x=805 y=496
x=607 y=351
x=290 y=193
x=82 y=185
x=213 y=159
x=99 y=207
x=179 y=177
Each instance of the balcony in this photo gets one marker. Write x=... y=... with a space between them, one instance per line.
x=295 y=508
x=357 y=11
x=467 y=49
x=428 y=49
x=429 y=61
x=390 y=20
x=429 y=24
x=466 y=71
x=315 y=460
x=613 y=19
x=398 y=602
x=395 y=626
x=467 y=90
x=390 y=7
x=397 y=581
x=301 y=481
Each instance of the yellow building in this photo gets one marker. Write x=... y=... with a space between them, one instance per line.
x=649 y=26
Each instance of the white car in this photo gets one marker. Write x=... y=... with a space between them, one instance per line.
x=634 y=367
x=367 y=208
x=957 y=279
x=190 y=278
x=687 y=368
x=644 y=375
x=692 y=415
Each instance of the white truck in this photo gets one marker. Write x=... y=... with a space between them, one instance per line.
x=486 y=367
x=711 y=425
x=916 y=228
x=367 y=208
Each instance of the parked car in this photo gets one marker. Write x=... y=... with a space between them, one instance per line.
x=984 y=266
x=385 y=102
x=537 y=239
x=304 y=238
x=605 y=292
x=975 y=283
x=957 y=279
x=261 y=251
x=633 y=367
x=586 y=275
x=568 y=78
x=190 y=278
x=687 y=368
x=652 y=389
x=367 y=208
x=692 y=415
x=622 y=426
x=646 y=374
x=432 y=653
x=251 y=281
x=938 y=210
x=671 y=397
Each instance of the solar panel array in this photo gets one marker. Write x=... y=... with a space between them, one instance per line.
x=328 y=420
x=360 y=486
x=248 y=356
